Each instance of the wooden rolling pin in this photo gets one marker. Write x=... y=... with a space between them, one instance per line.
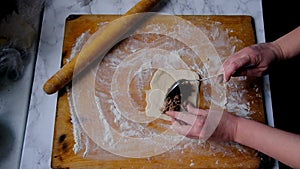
x=97 y=47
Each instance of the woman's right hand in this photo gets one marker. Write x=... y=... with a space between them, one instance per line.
x=253 y=60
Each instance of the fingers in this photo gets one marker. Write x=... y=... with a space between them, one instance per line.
x=188 y=117
x=195 y=111
x=253 y=60
x=193 y=120
x=220 y=78
x=181 y=129
x=191 y=130
x=235 y=63
x=185 y=117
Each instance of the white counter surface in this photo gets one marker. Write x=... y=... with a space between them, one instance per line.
x=37 y=144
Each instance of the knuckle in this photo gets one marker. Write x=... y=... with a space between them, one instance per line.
x=198 y=123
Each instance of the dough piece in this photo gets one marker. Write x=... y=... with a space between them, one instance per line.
x=160 y=83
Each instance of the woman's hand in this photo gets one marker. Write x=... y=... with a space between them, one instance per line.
x=191 y=124
x=251 y=61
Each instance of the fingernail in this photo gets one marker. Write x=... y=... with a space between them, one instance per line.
x=220 y=78
x=172 y=120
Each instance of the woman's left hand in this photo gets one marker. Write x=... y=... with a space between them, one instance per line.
x=191 y=124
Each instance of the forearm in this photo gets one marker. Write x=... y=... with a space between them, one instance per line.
x=289 y=44
x=276 y=143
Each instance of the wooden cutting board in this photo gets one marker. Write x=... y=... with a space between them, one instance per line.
x=239 y=31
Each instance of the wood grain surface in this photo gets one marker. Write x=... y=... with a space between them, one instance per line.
x=240 y=28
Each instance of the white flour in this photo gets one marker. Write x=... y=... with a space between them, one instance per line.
x=110 y=115
x=80 y=41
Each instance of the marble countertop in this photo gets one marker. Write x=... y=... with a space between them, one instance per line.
x=37 y=144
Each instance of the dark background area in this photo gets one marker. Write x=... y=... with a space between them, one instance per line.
x=280 y=17
x=6 y=7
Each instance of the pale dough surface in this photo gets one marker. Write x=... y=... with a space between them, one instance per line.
x=160 y=83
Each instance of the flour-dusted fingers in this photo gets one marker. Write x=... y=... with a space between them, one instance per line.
x=185 y=117
x=191 y=131
x=193 y=110
x=253 y=60
x=186 y=130
x=193 y=123
x=181 y=129
x=234 y=63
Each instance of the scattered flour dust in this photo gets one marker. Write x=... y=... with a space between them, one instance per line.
x=79 y=135
x=235 y=101
x=220 y=40
x=80 y=41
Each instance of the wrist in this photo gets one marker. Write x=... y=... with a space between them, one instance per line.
x=244 y=130
x=230 y=125
x=277 y=51
x=288 y=44
x=236 y=121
